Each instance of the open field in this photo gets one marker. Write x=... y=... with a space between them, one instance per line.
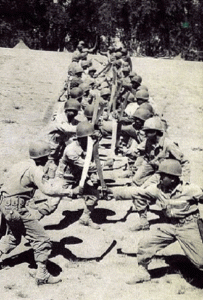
x=30 y=82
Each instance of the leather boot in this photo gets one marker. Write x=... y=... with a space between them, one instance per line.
x=142 y=224
x=141 y=275
x=43 y=276
x=86 y=220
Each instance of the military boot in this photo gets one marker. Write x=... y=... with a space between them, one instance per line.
x=86 y=220
x=43 y=276
x=142 y=224
x=141 y=275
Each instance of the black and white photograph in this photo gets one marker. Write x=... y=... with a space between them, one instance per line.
x=101 y=134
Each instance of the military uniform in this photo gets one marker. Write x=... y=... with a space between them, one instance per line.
x=18 y=188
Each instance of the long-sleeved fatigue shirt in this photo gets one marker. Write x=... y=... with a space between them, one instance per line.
x=25 y=177
x=165 y=148
x=179 y=203
x=73 y=160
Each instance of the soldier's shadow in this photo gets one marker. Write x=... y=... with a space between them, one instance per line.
x=99 y=216
x=180 y=264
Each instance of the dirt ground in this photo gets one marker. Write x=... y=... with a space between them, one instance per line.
x=91 y=263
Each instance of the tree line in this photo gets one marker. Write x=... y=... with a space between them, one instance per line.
x=148 y=27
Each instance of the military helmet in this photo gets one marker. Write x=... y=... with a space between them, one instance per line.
x=89 y=110
x=92 y=69
x=147 y=106
x=72 y=104
x=78 y=70
x=39 y=149
x=132 y=74
x=124 y=51
x=142 y=114
x=170 y=166
x=118 y=55
x=84 y=63
x=89 y=62
x=84 y=129
x=76 y=92
x=103 y=85
x=126 y=69
x=105 y=91
x=75 y=57
x=153 y=123
x=81 y=43
x=142 y=94
x=142 y=87
x=84 y=86
x=75 y=82
x=136 y=78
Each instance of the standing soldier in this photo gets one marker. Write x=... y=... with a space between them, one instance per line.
x=19 y=187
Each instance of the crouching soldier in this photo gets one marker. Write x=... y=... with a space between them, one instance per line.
x=19 y=186
x=153 y=150
x=179 y=204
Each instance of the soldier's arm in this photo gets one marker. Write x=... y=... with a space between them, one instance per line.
x=48 y=187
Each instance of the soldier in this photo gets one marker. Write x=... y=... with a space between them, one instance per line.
x=19 y=186
x=155 y=148
x=179 y=204
x=133 y=134
x=71 y=166
x=136 y=82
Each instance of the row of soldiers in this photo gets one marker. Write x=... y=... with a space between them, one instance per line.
x=111 y=110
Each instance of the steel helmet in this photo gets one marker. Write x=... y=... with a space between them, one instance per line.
x=89 y=62
x=92 y=69
x=78 y=70
x=124 y=51
x=84 y=129
x=126 y=69
x=105 y=91
x=170 y=166
x=84 y=86
x=83 y=56
x=103 y=85
x=153 y=123
x=139 y=79
x=81 y=43
x=89 y=110
x=132 y=74
x=147 y=106
x=84 y=63
x=142 y=114
x=76 y=58
x=142 y=87
x=136 y=78
x=72 y=104
x=118 y=55
x=39 y=149
x=142 y=94
x=76 y=92
x=75 y=82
